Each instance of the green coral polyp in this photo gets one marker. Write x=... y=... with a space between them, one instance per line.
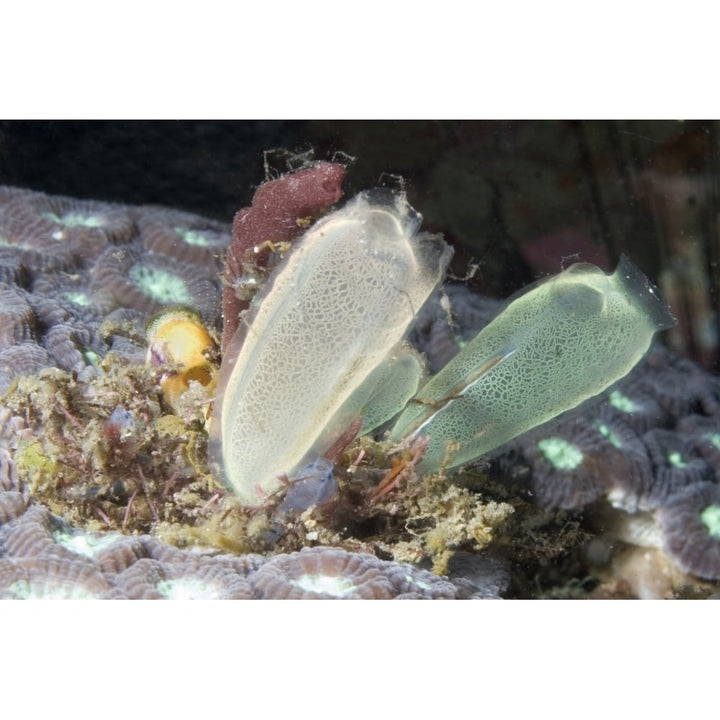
x=75 y=220
x=710 y=518
x=561 y=454
x=676 y=460
x=161 y=286
x=82 y=543
x=337 y=586
x=622 y=402
x=76 y=298
x=192 y=237
x=39 y=590
x=187 y=589
x=609 y=435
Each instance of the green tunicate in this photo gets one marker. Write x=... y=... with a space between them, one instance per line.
x=395 y=382
x=622 y=402
x=713 y=439
x=552 y=348
x=561 y=454
x=710 y=517
x=381 y=396
x=161 y=286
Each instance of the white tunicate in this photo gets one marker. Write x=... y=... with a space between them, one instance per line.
x=552 y=348
x=337 y=308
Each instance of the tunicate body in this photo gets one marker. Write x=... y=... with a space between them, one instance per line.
x=337 y=308
x=555 y=346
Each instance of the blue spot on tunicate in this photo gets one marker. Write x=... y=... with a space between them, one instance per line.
x=313 y=485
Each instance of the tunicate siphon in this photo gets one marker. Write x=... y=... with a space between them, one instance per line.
x=552 y=348
x=296 y=373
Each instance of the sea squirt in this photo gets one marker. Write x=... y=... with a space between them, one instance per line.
x=295 y=374
x=556 y=345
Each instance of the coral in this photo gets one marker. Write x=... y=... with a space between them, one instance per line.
x=43 y=557
x=478 y=576
x=25 y=358
x=50 y=579
x=78 y=277
x=186 y=237
x=569 y=469
x=690 y=520
x=703 y=433
x=628 y=469
x=636 y=407
x=12 y=504
x=17 y=321
x=64 y=232
x=675 y=464
x=327 y=573
x=131 y=277
x=698 y=391
x=193 y=578
x=281 y=210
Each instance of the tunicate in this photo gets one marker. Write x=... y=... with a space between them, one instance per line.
x=337 y=308
x=552 y=348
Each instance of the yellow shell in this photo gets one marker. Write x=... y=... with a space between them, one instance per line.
x=177 y=337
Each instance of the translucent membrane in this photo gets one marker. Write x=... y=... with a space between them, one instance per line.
x=337 y=309
x=558 y=344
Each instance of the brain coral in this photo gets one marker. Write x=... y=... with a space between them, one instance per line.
x=42 y=557
x=71 y=271
x=327 y=573
x=690 y=520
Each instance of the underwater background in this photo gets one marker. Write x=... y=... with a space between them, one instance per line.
x=517 y=200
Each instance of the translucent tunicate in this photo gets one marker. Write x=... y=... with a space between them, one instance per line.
x=337 y=308
x=552 y=348
x=313 y=485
